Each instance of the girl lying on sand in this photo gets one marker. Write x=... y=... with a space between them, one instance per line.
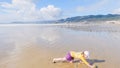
x=82 y=56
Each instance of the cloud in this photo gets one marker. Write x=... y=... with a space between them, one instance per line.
x=50 y=12
x=80 y=8
x=26 y=10
x=116 y=11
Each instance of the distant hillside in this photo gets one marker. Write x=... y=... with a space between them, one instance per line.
x=33 y=22
x=110 y=18
x=90 y=18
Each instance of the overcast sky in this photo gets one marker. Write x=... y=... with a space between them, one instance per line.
x=34 y=10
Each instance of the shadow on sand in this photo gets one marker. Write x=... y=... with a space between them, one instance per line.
x=91 y=61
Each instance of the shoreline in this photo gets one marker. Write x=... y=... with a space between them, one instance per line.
x=60 y=24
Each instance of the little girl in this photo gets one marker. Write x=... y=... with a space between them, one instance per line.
x=70 y=56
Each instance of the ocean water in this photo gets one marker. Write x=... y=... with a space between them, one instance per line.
x=34 y=46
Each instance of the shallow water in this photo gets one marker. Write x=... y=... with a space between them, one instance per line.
x=34 y=46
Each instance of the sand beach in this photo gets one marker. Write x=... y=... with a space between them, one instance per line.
x=34 y=46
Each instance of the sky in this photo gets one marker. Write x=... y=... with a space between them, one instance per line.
x=39 y=10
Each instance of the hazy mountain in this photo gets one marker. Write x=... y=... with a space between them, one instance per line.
x=78 y=19
x=90 y=18
x=33 y=22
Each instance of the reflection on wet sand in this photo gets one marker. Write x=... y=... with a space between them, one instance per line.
x=36 y=46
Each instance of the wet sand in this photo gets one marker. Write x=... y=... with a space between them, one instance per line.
x=34 y=46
